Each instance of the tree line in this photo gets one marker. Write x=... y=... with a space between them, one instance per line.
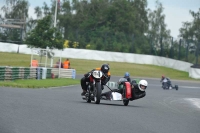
x=107 y=25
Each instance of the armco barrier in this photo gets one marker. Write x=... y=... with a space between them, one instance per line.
x=64 y=73
x=2 y=73
x=33 y=73
x=13 y=73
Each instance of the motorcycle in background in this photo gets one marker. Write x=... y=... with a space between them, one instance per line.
x=166 y=85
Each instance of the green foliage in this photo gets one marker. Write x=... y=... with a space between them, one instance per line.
x=157 y=32
x=16 y=11
x=44 y=35
x=105 y=25
x=190 y=31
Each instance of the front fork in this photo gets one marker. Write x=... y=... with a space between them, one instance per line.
x=93 y=83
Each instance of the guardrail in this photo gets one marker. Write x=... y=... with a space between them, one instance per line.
x=64 y=73
x=13 y=73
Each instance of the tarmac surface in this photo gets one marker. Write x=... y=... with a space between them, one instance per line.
x=62 y=110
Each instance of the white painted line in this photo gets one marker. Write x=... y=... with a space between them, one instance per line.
x=190 y=87
x=194 y=101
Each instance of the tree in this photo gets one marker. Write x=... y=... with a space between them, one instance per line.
x=158 y=33
x=196 y=24
x=16 y=11
x=190 y=31
x=38 y=12
x=44 y=35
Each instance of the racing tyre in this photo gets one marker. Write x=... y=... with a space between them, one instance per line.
x=125 y=101
x=176 y=87
x=97 y=93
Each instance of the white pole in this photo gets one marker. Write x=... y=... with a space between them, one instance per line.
x=52 y=62
x=54 y=27
x=46 y=58
x=55 y=13
x=31 y=57
x=60 y=65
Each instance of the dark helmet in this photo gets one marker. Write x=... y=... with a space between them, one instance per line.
x=105 y=68
x=126 y=75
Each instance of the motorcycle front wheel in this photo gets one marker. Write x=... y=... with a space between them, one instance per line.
x=97 y=93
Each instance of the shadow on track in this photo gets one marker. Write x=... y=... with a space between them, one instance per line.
x=112 y=104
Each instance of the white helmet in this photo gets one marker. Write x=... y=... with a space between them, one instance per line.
x=144 y=83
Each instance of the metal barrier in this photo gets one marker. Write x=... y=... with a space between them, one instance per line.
x=13 y=73
x=64 y=73
x=33 y=73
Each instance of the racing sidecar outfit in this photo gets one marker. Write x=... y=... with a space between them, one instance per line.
x=136 y=92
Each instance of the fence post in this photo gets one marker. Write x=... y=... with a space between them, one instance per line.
x=38 y=73
x=73 y=73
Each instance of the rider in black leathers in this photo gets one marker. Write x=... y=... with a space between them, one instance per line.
x=105 y=69
x=138 y=91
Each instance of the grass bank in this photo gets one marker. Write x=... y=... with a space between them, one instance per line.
x=83 y=66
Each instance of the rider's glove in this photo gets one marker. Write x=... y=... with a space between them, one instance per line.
x=103 y=82
x=87 y=75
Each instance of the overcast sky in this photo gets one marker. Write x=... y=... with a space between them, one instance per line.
x=176 y=11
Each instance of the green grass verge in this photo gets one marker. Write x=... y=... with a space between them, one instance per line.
x=83 y=66
x=33 y=83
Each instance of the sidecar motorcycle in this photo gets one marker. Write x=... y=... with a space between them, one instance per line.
x=166 y=85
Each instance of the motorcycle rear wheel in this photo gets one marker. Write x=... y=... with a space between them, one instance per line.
x=88 y=100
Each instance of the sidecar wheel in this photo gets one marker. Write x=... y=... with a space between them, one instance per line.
x=125 y=101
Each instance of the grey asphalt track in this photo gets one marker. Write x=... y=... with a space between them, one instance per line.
x=62 y=110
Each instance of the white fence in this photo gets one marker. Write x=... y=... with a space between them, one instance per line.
x=64 y=73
